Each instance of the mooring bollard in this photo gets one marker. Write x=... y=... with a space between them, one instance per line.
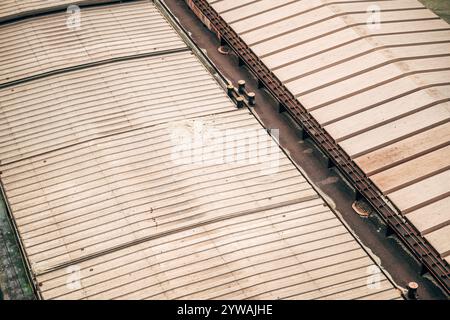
x=251 y=98
x=230 y=90
x=412 y=290
x=241 y=86
x=240 y=102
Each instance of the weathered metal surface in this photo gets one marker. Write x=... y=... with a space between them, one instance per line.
x=104 y=209
x=139 y=226
x=31 y=51
x=355 y=79
x=11 y=10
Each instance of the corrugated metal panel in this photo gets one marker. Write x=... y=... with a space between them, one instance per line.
x=90 y=199
x=93 y=196
x=67 y=109
x=13 y=9
x=382 y=91
x=45 y=43
x=277 y=253
x=87 y=162
x=196 y=217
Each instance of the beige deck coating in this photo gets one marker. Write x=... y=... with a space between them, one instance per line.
x=87 y=166
x=31 y=51
x=382 y=93
x=17 y=9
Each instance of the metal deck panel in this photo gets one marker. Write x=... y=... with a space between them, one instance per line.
x=82 y=202
x=352 y=125
x=235 y=258
x=405 y=150
x=13 y=8
x=127 y=184
x=439 y=239
x=45 y=44
x=353 y=273
x=394 y=131
x=425 y=191
x=356 y=47
x=346 y=43
x=413 y=171
x=431 y=217
x=382 y=93
x=16 y=9
x=43 y=115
